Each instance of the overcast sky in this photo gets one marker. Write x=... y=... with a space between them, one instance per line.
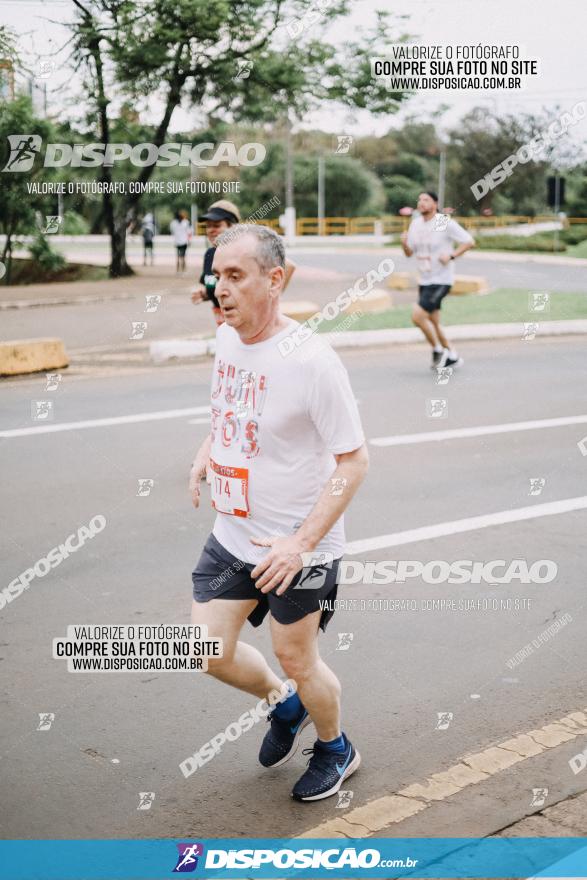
x=553 y=33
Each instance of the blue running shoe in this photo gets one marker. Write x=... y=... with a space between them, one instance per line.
x=280 y=743
x=327 y=770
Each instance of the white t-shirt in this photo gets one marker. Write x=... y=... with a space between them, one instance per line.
x=180 y=230
x=276 y=422
x=429 y=239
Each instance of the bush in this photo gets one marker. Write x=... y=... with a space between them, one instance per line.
x=43 y=254
x=575 y=234
x=74 y=224
x=542 y=242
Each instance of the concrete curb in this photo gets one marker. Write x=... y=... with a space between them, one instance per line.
x=63 y=301
x=176 y=349
x=407 y=335
x=31 y=356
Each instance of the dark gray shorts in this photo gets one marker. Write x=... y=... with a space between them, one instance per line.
x=431 y=296
x=220 y=575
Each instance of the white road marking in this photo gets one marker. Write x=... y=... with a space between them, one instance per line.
x=480 y=431
x=103 y=423
x=470 y=524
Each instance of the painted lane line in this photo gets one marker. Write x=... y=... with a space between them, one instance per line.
x=480 y=431
x=470 y=524
x=103 y=423
x=472 y=769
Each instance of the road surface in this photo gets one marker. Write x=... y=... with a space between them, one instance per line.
x=118 y=734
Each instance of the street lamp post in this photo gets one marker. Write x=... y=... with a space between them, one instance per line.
x=321 y=200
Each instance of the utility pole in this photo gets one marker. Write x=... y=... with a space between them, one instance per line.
x=557 y=200
x=289 y=203
x=288 y=218
x=441 y=178
x=321 y=201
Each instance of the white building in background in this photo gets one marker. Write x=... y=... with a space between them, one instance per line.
x=6 y=80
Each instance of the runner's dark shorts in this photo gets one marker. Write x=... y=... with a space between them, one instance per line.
x=431 y=296
x=181 y=249
x=220 y=575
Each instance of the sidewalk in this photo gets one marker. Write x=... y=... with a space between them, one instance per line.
x=568 y=818
x=149 y=279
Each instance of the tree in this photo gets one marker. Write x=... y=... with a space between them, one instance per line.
x=484 y=140
x=17 y=204
x=350 y=188
x=233 y=60
x=401 y=192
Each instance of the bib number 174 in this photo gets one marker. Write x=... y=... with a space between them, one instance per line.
x=230 y=489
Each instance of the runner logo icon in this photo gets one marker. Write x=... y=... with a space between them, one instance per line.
x=23 y=149
x=187 y=860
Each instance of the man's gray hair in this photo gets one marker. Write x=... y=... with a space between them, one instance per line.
x=269 y=252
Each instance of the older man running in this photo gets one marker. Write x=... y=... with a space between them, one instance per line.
x=285 y=431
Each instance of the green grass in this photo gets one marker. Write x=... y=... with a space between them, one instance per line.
x=541 y=242
x=571 y=242
x=501 y=306
x=30 y=272
x=578 y=250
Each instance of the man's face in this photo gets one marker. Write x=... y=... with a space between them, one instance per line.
x=246 y=294
x=214 y=228
x=426 y=204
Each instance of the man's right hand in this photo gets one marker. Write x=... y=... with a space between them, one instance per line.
x=199 y=470
x=199 y=294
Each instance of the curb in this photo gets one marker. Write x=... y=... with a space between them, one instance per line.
x=176 y=349
x=31 y=356
x=407 y=335
x=63 y=301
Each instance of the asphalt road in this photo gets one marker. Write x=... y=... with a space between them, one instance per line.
x=118 y=734
x=321 y=275
x=538 y=271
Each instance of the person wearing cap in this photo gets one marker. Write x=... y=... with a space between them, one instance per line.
x=220 y=216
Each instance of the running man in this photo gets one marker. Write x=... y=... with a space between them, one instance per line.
x=284 y=432
x=219 y=217
x=431 y=237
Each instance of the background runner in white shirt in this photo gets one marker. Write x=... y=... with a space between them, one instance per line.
x=430 y=239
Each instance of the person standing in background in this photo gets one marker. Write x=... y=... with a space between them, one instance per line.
x=181 y=231
x=148 y=233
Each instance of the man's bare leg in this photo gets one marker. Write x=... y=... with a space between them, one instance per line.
x=435 y=318
x=422 y=319
x=296 y=647
x=241 y=666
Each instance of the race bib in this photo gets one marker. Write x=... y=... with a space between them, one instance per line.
x=230 y=489
x=424 y=264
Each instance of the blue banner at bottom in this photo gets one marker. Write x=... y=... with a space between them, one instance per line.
x=233 y=858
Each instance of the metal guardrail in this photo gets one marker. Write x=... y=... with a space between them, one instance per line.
x=392 y=225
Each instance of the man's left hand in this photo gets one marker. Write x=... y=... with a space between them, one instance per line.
x=444 y=259
x=281 y=564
